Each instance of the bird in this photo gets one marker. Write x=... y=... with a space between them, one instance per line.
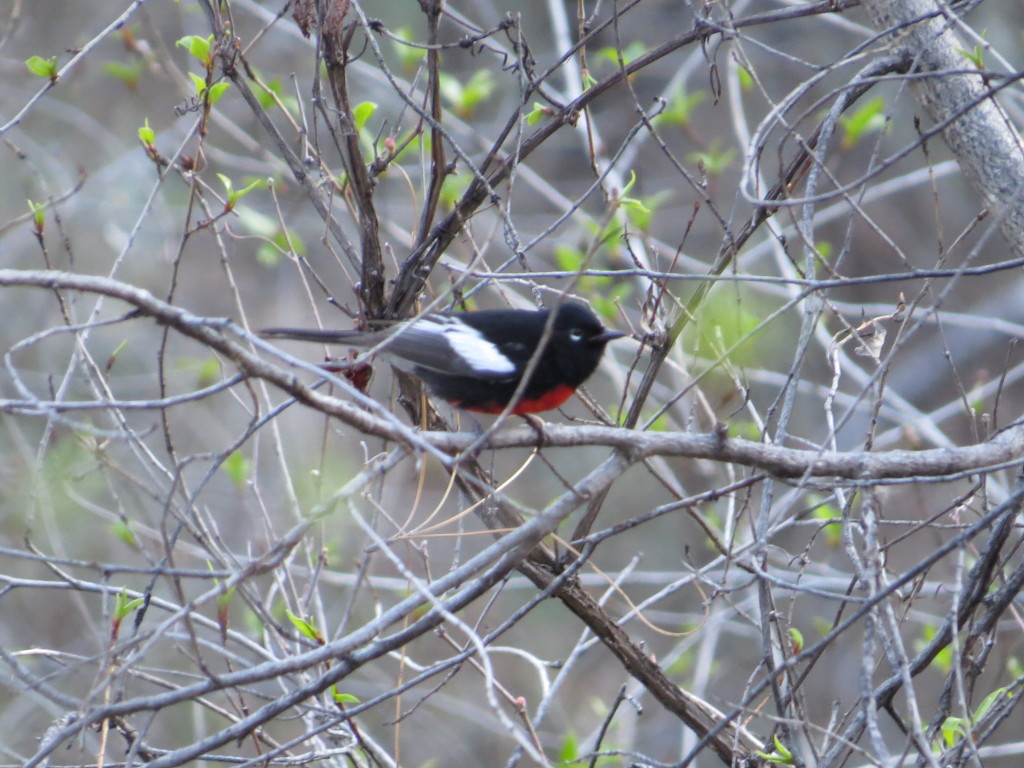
x=476 y=360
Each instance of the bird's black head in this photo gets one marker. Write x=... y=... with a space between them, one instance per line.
x=577 y=324
x=578 y=339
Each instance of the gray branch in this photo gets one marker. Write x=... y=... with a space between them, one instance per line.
x=979 y=134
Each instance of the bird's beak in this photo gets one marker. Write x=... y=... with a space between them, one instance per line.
x=609 y=336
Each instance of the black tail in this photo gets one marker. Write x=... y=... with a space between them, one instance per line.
x=355 y=338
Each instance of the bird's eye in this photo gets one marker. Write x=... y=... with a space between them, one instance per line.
x=576 y=334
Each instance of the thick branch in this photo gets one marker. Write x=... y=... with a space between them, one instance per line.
x=984 y=142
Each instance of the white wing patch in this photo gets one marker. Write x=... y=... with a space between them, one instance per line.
x=481 y=355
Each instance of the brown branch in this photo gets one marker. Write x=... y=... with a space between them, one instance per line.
x=732 y=744
x=335 y=37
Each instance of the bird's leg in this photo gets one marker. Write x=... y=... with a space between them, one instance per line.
x=538 y=426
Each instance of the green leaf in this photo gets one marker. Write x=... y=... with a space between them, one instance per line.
x=451 y=88
x=569 y=752
x=114 y=355
x=611 y=233
x=636 y=204
x=714 y=160
x=254 y=184
x=829 y=514
x=362 y=113
x=465 y=98
x=630 y=53
x=454 y=186
x=265 y=95
x=41 y=67
x=832 y=531
x=216 y=91
x=870 y=118
x=235 y=195
x=224 y=598
x=289 y=242
x=282 y=242
x=146 y=134
x=256 y=222
x=478 y=89
x=629 y=185
x=1014 y=667
x=124 y=532
x=198 y=46
x=796 y=639
x=680 y=108
x=641 y=210
x=746 y=79
x=953 y=729
x=38 y=215
x=238 y=468
x=198 y=82
x=944 y=658
x=305 y=627
x=781 y=755
x=987 y=703
x=407 y=54
x=745 y=428
x=342 y=698
x=128 y=73
x=226 y=181
x=597 y=283
x=660 y=424
x=209 y=372
x=568 y=258
x=123 y=606
x=538 y=113
x=975 y=55
x=604 y=301
x=268 y=255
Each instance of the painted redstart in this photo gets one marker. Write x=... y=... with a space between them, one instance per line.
x=476 y=360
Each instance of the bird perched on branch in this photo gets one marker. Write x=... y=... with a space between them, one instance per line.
x=477 y=360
